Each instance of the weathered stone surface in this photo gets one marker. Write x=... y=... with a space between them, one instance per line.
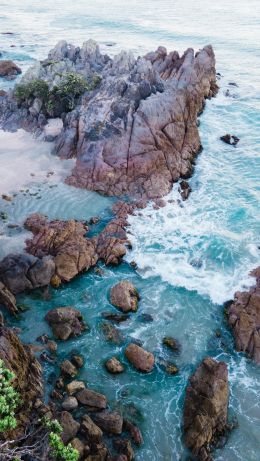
x=70 y=404
x=21 y=272
x=91 y=399
x=7 y=299
x=139 y=358
x=9 y=69
x=69 y=425
x=172 y=343
x=79 y=446
x=206 y=406
x=68 y=369
x=184 y=190
x=65 y=241
x=75 y=386
x=230 y=139
x=112 y=333
x=244 y=319
x=124 y=296
x=124 y=447
x=28 y=382
x=65 y=322
x=90 y=429
x=114 y=366
x=109 y=421
x=134 y=432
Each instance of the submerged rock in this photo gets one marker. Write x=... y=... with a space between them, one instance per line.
x=230 y=139
x=112 y=333
x=244 y=319
x=140 y=358
x=172 y=343
x=65 y=322
x=184 y=190
x=206 y=407
x=9 y=69
x=124 y=296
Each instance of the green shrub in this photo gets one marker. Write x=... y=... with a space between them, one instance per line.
x=9 y=399
x=60 y=451
x=34 y=89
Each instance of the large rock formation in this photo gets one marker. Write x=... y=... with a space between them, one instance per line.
x=205 y=407
x=134 y=132
x=244 y=319
x=9 y=69
x=28 y=382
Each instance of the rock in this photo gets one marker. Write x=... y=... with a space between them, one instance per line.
x=79 y=446
x=70 y=404
x=171 y=369
x=8 y=198
x=91 y=399
x=114 y=366
x=7 y=299
x=244 y=319
x=75 y=386
x=69 y=425
x=124 y=296
x=52 y=346
x=112 y=333
x=28 y=377
x=90 y=430
x=9 y=69
x=145 y=318
x=65 y=241
x=65 y=322
x=118 y=318
x=139 y=358
x=134 y=432
x=21 y=272
x=55 y=281
x=77 y=360
x=124 y=447
x=206 y=406
x=109 y=421
x=230 y=139
x=68 y=369
x=172 y=343
x=184 y=190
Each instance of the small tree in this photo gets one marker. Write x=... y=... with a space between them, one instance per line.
x=9 y=399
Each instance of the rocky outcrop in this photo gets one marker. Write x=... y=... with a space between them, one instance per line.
x=124 y=296
x=9 y=69
x=206 y=407
x=134 y=132
x=140 y=358
x=65 y=322
x=28 y=377
x=7 y=299
x=244 y=319
x=21 y=272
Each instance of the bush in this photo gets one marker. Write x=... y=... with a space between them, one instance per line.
x=60 y=451
x=9 y=399
x=34 y=89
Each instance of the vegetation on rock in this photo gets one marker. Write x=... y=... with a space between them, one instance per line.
x=59 y=451
x=9 y=399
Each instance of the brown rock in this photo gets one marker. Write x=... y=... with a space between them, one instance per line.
x=109 y=421
x=65 y=322
x=78 y=445
x=7 y=299
x=124 y=447
x=134 y=432
x=70 y=404
x=112 y=333
x=69 y=425
x=125 y=296
x=52 y=346
x=139 y=358
x=91 y=399
x=9 y=68
x=68 y=369
x=205 y=407
x=114 y=366
x=244 y=319
x=172 y=343
x=77 y=360
x=75 y=386
x=91 y=430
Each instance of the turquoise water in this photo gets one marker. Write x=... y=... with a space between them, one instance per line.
x=190 y=259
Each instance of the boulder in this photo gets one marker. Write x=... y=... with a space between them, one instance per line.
x=75 y=386
x=112 y=333
x=134 y=431
x=230 y=139
x=91 y=399
x=69 y=425
x=79 y=446
x=140 y=358
x=68 y=369
x=124 y=296
x=109 y=421
x=9 y=69
x=7 y=299
x=244 y=319
x=90 y=430
x=172 y=343
x=184 y=190
x=70 y=404
x=124 y=447
x=65 y=322
x=206 y=407
x=114 y=366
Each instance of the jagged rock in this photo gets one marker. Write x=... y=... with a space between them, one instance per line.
x=114 y=366
x=7 y=299
x=65 y=241
x=91 y=399
x=139 y=358
x=109 y=421
x=65 y=322
x=75 y=386
x=21 y=272
x=244 y=319
x=230 y=139
x=68 y=369
x=205 y=407
x=28 y=381
x=134 y=432
x=124 y=296
x=52 y=346
x=70 y=404
x=184 y=190
x=172 y=343
x=9 y=69
x=90 y=430
x=69 y=425
x=77 y=360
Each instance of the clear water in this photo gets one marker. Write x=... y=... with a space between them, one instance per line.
x=191 y=258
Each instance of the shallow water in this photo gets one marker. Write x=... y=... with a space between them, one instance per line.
x=191 y=258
